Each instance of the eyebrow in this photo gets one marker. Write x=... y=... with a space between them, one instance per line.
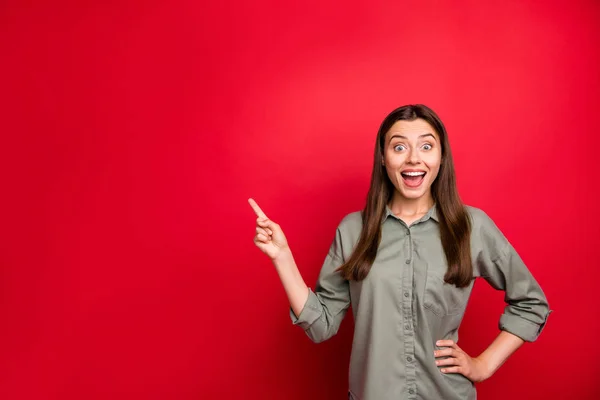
x=420 y=136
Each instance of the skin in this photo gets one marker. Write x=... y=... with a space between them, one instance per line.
x=411 y=145
x=270 y=240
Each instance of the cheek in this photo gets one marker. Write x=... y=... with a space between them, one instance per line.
x=391 y=170
x=434 y=170
x=433 y=162
x=395 y=160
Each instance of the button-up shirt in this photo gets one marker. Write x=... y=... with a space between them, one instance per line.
x=404 y=306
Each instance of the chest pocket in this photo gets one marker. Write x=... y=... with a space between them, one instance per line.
x=444 y=299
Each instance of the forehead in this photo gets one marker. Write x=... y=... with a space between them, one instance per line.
x=411 y=129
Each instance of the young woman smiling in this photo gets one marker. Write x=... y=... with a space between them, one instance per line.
x=406 y=264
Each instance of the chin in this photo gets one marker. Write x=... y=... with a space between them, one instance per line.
x=412 y=194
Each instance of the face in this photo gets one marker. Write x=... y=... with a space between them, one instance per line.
x=412 y=157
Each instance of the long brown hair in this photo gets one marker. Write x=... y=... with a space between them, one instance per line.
x=454 y=222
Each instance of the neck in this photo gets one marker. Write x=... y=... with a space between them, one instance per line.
x=410 y=207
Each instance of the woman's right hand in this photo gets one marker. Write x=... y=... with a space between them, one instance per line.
x=269 y=237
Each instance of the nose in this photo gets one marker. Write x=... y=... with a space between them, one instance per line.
x=414 y=157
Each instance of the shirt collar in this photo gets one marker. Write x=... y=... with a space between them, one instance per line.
x=432 y=213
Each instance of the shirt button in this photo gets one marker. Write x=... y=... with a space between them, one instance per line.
x=408 y=261
x=411 y=391
x=409 y=358
x=406 y=294
x=408 y=232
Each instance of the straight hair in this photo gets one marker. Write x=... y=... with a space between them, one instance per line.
x=454 y=221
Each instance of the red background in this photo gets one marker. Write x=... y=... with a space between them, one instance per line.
x=133 y=133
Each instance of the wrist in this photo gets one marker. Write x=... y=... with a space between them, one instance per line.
x=487 y=369
x=284 y=257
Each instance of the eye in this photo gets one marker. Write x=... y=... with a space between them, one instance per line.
x=427 y=146
x=399 y=147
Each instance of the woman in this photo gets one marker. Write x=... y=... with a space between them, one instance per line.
x=407 y=264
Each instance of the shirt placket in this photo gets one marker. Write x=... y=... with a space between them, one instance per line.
x=407 y=319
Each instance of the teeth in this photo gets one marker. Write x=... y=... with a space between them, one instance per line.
x=413 y=173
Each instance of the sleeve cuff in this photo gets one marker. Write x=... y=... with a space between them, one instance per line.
x=519 y=326
x=311 y=311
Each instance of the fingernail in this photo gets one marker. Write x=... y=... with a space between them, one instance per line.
x=438 y=342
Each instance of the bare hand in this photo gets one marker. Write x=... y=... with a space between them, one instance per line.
x=269 y=236
x=460 y=362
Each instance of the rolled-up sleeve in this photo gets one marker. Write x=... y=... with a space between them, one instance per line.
x=527 y=310
x=327 y=305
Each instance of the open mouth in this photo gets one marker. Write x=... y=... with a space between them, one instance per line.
x=413 y=178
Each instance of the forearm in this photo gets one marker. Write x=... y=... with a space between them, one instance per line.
x=293 y=283
x=499 y=350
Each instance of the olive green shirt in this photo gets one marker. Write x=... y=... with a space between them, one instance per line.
x=404 y=306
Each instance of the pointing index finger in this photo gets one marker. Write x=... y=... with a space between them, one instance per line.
x=257 y=209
